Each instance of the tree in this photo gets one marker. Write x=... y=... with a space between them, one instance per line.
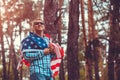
x=72 y=42
x=15 y=13
x=51 y=19
x=91 y=36
x=114 y=44
x=50 y=16
x=4 y=75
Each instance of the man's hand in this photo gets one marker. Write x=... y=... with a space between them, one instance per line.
x=47 y=51
x=51 y=47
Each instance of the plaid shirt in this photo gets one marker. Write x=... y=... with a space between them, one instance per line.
x=32 y=49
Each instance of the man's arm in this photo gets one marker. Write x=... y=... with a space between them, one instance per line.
x=32 y=54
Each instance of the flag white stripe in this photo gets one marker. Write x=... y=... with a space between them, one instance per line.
x=57 y=50
x=53 y=62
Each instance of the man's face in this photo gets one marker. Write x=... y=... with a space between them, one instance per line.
x=38 y=26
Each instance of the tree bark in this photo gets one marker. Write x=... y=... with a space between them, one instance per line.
x=89 y=56
x=53 y=25
x=96 y=46
x=114 y=47
x=50 y=16
x=72 y=42
x=92 y=36
x=4 y=75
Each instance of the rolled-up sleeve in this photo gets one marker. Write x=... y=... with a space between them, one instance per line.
x=31 y=55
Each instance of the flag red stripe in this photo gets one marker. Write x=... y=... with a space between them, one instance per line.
x=54 y=66
x=56 y=73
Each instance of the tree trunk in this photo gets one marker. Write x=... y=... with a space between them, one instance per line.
x=90 y=21
x=61 y=74
x=89 y=56
x=88 y=65
x=83 y=22
x=14 y=60
x=53 y=25
x=21 y=70
x=72 y=42
x=4 y=75
x=9 y=66
x=92 y=36
x=50 y=16
x=114 y=47
x=96 y=46
x=14 y=66
x=85 y=40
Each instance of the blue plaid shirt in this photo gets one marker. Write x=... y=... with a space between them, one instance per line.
x=32 y=49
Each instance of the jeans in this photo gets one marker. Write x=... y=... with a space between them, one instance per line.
x=37 y=76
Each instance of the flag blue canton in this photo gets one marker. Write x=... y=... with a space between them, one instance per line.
x=34 y=42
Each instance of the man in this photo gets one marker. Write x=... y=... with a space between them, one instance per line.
x=36 y=50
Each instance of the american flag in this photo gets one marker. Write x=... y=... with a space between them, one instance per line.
x=55 y=62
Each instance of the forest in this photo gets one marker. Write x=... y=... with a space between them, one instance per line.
x=88 y=31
